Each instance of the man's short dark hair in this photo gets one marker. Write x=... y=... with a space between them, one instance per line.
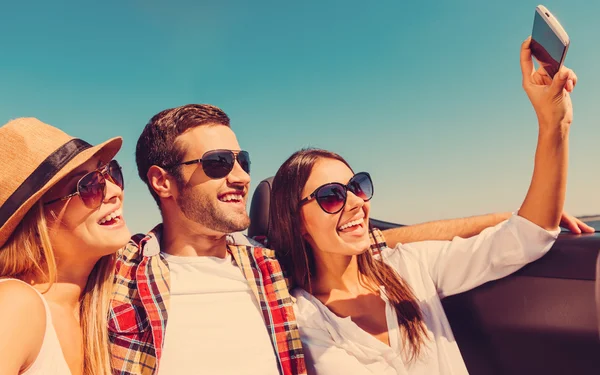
x=156 y=145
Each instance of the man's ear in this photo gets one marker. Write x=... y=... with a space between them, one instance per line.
x=161 y=182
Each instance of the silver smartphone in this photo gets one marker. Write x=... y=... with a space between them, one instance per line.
x=549 y=41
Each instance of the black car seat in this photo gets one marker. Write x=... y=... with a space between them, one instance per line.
x=598 y=291
x=259 y=210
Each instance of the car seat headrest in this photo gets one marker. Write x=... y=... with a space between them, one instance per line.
x=259 y=210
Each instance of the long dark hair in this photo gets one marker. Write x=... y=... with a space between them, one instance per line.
x=297 y=257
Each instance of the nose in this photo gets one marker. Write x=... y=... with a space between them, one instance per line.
x=238 y=175
x=353 y=202
x=113 y=191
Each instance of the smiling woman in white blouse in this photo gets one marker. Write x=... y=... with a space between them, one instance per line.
x=366 y=313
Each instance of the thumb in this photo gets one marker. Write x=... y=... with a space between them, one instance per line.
x=560 y=79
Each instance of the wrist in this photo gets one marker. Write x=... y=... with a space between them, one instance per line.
x=554 y=133
x=553 y=125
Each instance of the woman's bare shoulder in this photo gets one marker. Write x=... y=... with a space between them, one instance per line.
x=22 y=325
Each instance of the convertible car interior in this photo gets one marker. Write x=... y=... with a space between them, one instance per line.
x=542 y=319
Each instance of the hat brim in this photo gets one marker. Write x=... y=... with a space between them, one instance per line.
x=106 y=151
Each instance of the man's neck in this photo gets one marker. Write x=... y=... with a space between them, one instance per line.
x=192 y=239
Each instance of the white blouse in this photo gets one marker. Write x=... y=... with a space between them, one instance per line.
x=433 y=269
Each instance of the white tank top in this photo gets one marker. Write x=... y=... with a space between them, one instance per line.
x=50 y=360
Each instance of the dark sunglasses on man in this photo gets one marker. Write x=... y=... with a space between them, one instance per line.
x=332 y=196
x=219 y=163
x=91 y=188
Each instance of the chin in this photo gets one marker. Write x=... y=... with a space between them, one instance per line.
x=238 y=223
x=358 y=248
x=364 y=242
x=117 y=240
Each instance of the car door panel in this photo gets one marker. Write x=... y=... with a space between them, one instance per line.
x=540 y=320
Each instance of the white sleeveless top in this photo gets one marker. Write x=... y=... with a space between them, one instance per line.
x=50 y=360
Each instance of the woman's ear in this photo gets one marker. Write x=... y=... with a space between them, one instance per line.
x=303 y=232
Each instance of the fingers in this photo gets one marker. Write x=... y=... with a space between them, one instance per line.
x=527 y=68
x=569 y=222
x=564 y=79
x=575 y=225
x=541 y=76
x=584 y=227
x=569 y=86
x=571 y=82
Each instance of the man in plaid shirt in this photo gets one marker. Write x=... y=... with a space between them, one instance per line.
x=225 y=302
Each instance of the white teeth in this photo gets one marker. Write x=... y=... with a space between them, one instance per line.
x=231 y=197
x=111 y=216
x=351 y=224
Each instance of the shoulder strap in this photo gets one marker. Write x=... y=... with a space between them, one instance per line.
x=46 y=307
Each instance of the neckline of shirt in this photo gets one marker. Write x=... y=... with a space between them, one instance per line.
x=196 y=259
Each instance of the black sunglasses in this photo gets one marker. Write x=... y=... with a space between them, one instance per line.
x=332 y=196
x=219 y=163
x=91 y=188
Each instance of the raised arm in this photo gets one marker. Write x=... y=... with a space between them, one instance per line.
x=543 y=204
x=463 y=264
x=551 y=101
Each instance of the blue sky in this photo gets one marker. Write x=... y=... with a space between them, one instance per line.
x=425 y=96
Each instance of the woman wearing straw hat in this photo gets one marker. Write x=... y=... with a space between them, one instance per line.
x=60 y=226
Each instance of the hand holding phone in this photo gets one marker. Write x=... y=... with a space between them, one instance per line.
x=550 y=97
x=549 y=41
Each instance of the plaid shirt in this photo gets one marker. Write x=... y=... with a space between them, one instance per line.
x=138 y=314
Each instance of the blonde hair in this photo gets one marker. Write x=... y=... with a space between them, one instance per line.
x=28 y=252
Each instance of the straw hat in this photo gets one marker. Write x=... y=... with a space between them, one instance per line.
x=33 y=157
